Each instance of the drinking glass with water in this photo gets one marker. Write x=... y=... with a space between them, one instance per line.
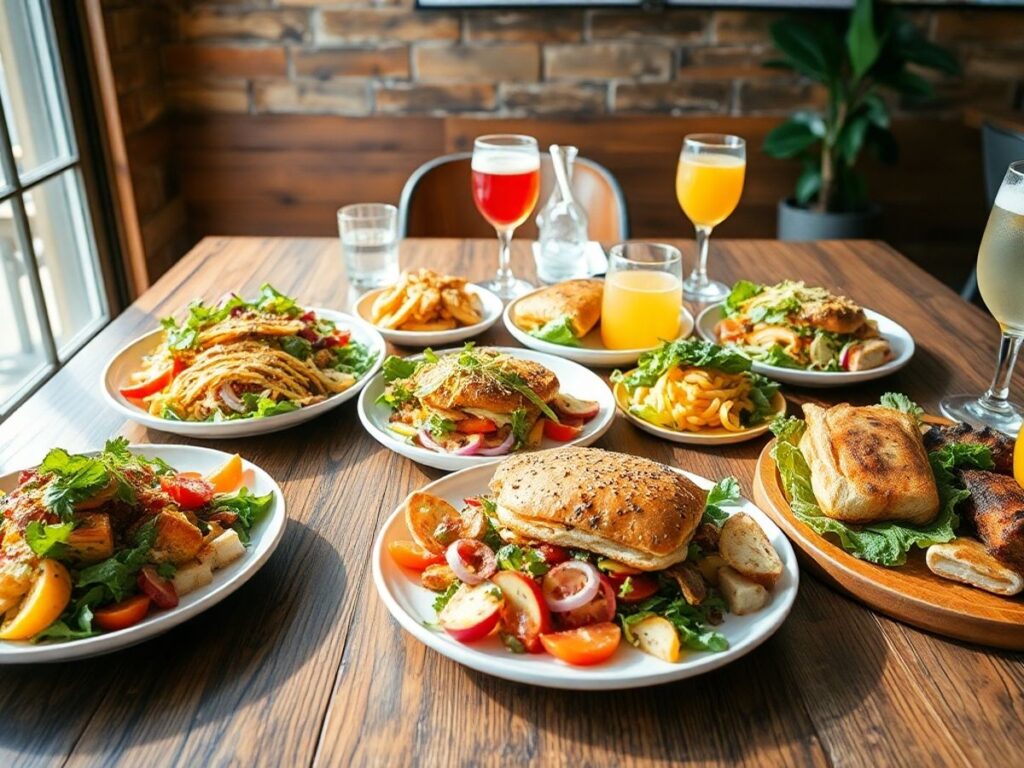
x=369 y=243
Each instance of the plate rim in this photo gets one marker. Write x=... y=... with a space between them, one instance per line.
x=110 y=642
x=836 y=378
x=468 y=462
x=584 y=678
x=244 y=427
x=418 y=338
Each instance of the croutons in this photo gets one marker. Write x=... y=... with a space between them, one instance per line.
x=93 y=538
x=191 y=577
x=657 y=636
x=742 y=595
x=746 y=548
x=437 y=577
x=223 y=550
x=177 y=538
x=709 y=566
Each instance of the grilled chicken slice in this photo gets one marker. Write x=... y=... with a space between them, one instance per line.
x=449 y=386
x=996 y=507
x=836 y=314
x=1000 y=445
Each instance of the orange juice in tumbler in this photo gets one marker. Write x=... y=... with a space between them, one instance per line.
x=640 y=309
x=708 y=186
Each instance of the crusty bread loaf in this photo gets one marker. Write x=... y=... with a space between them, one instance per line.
x=868 y=465
x=628 y=508
x=579 y=299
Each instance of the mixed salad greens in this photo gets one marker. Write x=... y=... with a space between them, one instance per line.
x=558 y=331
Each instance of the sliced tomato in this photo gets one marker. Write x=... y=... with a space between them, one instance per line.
x=187 y=492
x=473 y=501
x=155 y=384
x=562 y=432
x=342 y=337
x=584 y=646
x=122 y=615
x=475 y=426
x=641 y=586
x=411 y=555
x=553 y=554
x=160 y=590
x=598 y=610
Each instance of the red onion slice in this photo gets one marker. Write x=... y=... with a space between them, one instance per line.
x=560 y=581
x=499 y=450
x=227 y=394
x=473 y=446
x=472 y=561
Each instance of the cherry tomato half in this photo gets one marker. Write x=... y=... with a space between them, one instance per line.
x=411 y=555
x=641 y=586
x=598 y=610
x=584 y=646
x=160 y=590
x=122 y=615
x=474 y=425
x=187 y=492
x=563 y=433
x=553 y=554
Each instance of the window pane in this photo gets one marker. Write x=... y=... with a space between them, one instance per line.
x=31 y=87
x=22 y=357
x=66 y=254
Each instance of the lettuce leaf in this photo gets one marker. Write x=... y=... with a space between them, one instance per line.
x=396 y=368
x=48 y=540
x=725 y=493
x=558 y=331
x=741 y=291
x=900 y=402
x=686 y=352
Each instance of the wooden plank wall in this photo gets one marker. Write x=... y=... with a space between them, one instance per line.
x=287 y=175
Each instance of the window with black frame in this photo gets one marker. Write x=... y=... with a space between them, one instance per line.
x=52 y=294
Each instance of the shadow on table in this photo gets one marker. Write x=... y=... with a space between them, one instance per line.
x=765 y=704
x=200 y=674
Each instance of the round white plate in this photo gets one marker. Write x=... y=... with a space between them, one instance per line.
x=718 y=436
x=411 y=605
x=899 y=339
x=491 y=312
x=592 y=351
x=265 y=536
x=129 y=359
x=572 y=378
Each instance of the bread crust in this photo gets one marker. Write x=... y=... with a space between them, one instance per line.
x=628 y=508
x=579 y=299
x=868 y=465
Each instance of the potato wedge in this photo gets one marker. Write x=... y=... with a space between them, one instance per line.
x=424 y=513
x=656 y=635
x=741 y=594
x=746 y=548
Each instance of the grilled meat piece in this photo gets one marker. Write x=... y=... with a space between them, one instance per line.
x=1000 y=445
x=996 y=507
x=837 y=314
x=449 y=386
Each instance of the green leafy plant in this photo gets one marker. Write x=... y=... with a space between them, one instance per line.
x=876 y=49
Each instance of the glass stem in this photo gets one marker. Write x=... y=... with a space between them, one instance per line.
x=995 y=399
x=700 y=272
x=504 y=274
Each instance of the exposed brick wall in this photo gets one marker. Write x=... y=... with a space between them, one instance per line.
x=366 y=57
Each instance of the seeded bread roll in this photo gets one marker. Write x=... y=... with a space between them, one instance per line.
x=628 y=508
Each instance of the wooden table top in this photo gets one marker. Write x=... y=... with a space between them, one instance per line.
x=304 y=666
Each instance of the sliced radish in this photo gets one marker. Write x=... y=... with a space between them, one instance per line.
x=472 y=612
x=524 y=614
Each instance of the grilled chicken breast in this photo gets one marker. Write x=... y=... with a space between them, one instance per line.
x=836 y=314
x=1001 y=446
x=868 y=465
x=996 y=507
x=447 y=386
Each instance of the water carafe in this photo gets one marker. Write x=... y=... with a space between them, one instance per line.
x=562 y=224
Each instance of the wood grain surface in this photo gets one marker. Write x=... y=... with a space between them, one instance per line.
x=303 y=665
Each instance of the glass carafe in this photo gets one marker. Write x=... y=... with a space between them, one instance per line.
x=562 y=225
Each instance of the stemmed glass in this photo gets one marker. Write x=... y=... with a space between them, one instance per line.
x=506 y=183
x=1001 y=283
x=709 y=181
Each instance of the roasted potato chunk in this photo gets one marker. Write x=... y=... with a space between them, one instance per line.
x=742 y=595
x=746 y=548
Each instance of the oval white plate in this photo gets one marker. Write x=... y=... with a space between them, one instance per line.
x=411 y=605
x=899 y=339
x=129 y=359
x=572 y=378
x=593 y=351
x=491 y=312
x=718 y=436
x=265 y=536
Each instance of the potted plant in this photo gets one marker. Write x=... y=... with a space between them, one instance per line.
x=876 y=49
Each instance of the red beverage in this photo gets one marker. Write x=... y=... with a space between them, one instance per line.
x=505 y=187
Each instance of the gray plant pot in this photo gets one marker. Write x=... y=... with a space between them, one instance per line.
x=797 y=223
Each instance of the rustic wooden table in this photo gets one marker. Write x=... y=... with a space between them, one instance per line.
x=304 y=666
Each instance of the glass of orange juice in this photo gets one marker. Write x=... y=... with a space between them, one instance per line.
x=709 y=181
x=643 y=295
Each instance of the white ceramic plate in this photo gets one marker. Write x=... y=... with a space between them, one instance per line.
x=572 y=378
x=718 y=436
x=129 y=359
x=491 y=312
x=411 y=605
x=592 y=352
x=265 y=536
x=899 y=338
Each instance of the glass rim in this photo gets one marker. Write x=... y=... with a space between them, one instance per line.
x=715 y=140
x=506 y=141
x=1016 y=168
x=673 y=253
x=349 y=212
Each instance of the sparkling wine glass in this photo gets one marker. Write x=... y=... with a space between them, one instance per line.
x=1001 y=283
x=506 y=184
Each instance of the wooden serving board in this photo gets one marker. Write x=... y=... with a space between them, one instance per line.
x=910 y=593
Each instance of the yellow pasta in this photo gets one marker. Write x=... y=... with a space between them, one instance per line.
x=693 y=400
